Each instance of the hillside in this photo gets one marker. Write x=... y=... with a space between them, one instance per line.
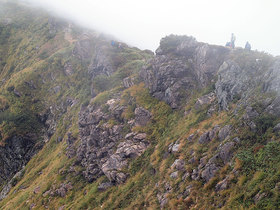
x=87 y=123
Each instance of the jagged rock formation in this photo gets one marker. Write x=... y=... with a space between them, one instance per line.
x=99 y=139
x=173 y=75
x=15 y=154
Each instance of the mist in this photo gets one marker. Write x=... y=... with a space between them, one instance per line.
x=143 y=23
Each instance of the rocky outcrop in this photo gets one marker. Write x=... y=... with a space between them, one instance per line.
x=173 y=74
x=230 y=83
x=104 y=149
x=127 y=149
x=97 y=141
x=7 y=187
x=236 y=82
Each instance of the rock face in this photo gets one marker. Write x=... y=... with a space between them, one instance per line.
x=230 y=83
x=6 y=189
x=97 y=153
x=101 y=63
x=182 y=65
x=172 y=77
x=236 y=82
x=14 y=155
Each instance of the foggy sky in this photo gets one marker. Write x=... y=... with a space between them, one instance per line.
x=143 y=23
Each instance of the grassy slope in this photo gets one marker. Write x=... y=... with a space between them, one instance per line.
x=257 y=160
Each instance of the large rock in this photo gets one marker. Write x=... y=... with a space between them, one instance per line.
x=127 y=149
x=97 y=142
x=226 y=151
x=131 y=149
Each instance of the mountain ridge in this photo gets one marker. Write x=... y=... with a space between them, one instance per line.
x=109 y=126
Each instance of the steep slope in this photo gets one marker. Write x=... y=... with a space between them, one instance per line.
x=107 y=127
x=49 y=67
